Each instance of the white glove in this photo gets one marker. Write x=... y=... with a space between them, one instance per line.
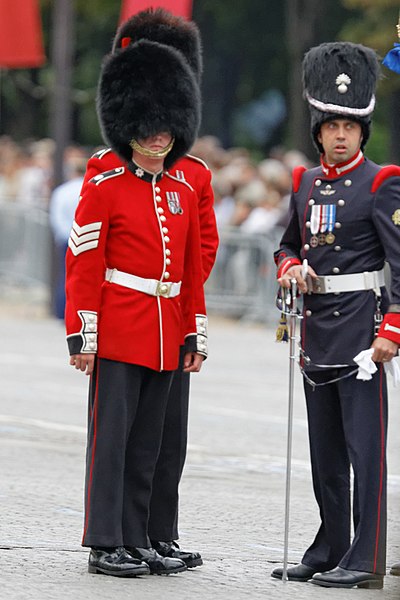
x=367 y=367
x=392 y=367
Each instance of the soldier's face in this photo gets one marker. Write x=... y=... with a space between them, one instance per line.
x=156 y=142
x=341 y=140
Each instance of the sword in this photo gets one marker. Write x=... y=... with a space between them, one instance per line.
x=293 y=316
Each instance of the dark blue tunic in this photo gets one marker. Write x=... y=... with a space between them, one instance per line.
x=337 y=327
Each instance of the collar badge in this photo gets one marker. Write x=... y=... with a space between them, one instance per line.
x=396 y=217
x=139 y=172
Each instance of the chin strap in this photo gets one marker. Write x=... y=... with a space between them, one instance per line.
x=153 y=153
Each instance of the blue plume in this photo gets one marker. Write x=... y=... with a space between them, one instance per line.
x=392 y=59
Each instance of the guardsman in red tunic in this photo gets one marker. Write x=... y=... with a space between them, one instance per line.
x=135 y=296
x=345 y=220
x=163 y=521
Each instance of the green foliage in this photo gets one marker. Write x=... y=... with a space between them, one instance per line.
x=245 y=54
x=376 y=27
x=378 y=144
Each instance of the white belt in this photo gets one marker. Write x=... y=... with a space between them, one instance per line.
x=153 y=287
x=353 y=282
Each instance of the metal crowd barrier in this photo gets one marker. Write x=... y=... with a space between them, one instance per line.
x=243 y=281
x=242 y=284
x=25 y=246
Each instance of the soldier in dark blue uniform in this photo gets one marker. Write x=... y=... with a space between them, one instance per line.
x=345 y=220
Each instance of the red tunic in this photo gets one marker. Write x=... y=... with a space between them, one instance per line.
x=129 y=222
x=197 y=174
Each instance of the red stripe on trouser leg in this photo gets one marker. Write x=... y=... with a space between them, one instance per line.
x=378 y=522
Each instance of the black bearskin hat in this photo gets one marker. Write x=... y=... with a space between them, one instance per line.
x=159 y=25
x=339 y=81
x=146 y=88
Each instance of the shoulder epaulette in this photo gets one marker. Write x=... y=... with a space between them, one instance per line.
x=297 y=175
x=101 y=177
x=197 y=159
x=100 y=153
x=384 y=173
x=182 y=181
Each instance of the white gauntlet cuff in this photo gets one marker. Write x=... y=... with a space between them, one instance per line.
x=84 y=342
x=202 y=334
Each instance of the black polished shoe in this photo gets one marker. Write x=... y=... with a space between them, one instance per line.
x=298 y=573
x=172 y=550
x=116 y=562
x=158 y=565
x=344 y=578
x=395 y=570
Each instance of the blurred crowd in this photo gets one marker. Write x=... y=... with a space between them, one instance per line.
x=249 y=195
x=251 y=206
x=26 y=170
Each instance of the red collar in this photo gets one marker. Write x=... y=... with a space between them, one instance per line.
x=334 y=171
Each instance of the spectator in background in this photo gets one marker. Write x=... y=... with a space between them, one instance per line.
x=10 y=169
x=35 y=176
x=277 y=177
x=209 y=149
x=26 y=171
x=224 y=202
x=263 y=204
x=63 y=203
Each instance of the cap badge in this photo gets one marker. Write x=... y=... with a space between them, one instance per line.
x=343 y=81
x=396 y=217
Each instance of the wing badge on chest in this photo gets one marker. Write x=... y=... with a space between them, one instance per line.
x=328 y=191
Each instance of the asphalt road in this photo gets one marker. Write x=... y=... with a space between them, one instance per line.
x=232 y=493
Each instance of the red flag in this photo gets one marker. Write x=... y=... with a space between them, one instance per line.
x=20 y=34
x=181 y=8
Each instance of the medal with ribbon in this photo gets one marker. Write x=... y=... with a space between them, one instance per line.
x=323 y=225
x=174 y=203
x=315 y=220
x=330 y=237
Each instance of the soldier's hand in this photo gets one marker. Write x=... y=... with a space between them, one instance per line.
x=384 y=350
x=83 y=362
x=296 y=272
x=192 y=362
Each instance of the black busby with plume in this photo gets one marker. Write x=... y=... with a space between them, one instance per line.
x=339 y=80
x=147 y=86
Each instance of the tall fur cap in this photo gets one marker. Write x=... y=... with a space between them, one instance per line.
x=159 y=25
x=322 y=66
x=146 y=88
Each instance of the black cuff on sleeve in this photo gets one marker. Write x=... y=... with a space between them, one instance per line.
x=191 y=343
x=75 y=344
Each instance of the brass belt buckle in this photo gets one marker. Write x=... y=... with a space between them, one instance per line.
x=111 y=275
x=163 y=289
x=318 y=285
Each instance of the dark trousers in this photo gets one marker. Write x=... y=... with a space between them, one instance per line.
x=59 y=291
x=163 y=522
x=347 y=423
x=127 y=406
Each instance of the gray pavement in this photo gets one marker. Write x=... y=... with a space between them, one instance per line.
x=232 y=493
